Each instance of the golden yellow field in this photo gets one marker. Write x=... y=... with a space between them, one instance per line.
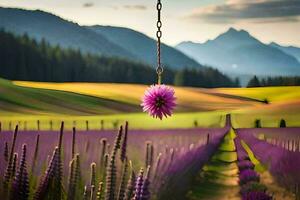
x=119 y=102
x=188 y=99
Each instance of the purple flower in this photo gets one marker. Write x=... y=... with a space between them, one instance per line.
x=159 y=101
x=248 y=175
x=139 y=185
x=245 y=164
x=257 y=195
x=20 y=184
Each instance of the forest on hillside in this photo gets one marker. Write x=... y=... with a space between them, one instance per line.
x=274 y=81
x=23 y=58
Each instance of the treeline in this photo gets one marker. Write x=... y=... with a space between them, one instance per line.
x=274 y=81
x=22 y=58
x=203 y=78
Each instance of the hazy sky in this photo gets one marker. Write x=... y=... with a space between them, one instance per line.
x=195 y=20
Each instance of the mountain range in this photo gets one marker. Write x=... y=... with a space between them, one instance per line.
x=293 y=51
x=144 y=47
x=237 y=52
x=101 y=40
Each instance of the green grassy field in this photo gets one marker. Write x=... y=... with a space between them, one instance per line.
x=114 y=103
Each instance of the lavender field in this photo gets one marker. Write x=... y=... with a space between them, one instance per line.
x=150 y=164
x=280 y=154
x=112 y=159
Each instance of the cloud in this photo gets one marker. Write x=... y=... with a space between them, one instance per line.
x=114 y=7
x=135 y=7
x=88 y=5
x=257 y=10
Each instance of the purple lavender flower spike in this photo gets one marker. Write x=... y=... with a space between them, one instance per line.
x=124 y=143
x=159 y=101
x=6 y=152
x=131 y=184
x=139 y=185
x=20 y=186
x=51 y=184
x=145 y=193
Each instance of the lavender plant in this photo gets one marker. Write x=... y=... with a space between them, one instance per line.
x=149 y=154
x=92 y=181
x=71 y=180
x=139 y=185
x=103 y=144
x=111 y=174
x=77 y=181
x=50 y=186
x=6 y=157
x=73 y=141
x=124 y=143
x=10 y=168
x=14 y=165
x=131 y=184
x=145 y=193
x=20 y=185
x=122 y=188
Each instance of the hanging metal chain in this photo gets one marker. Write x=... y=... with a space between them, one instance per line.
x=159 y=69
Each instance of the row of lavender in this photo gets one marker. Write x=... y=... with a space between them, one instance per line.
x=287 y=138
x=97 y=165
x=251 y=188
x=282 y=163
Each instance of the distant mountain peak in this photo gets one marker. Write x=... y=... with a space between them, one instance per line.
x=234 y=33
x=237 y=51
x=274 y=43
x=234 y=38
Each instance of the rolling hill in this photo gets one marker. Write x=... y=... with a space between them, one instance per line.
x=237 y=52
x=188 y=99
x=28 y=101
x=39 y=24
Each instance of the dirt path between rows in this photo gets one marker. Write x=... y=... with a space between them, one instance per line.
x=218 y=180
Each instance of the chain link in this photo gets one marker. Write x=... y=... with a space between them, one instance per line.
x=159 y=69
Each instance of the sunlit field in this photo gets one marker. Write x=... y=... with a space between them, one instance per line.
x=204 y=151
x=32 y=101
